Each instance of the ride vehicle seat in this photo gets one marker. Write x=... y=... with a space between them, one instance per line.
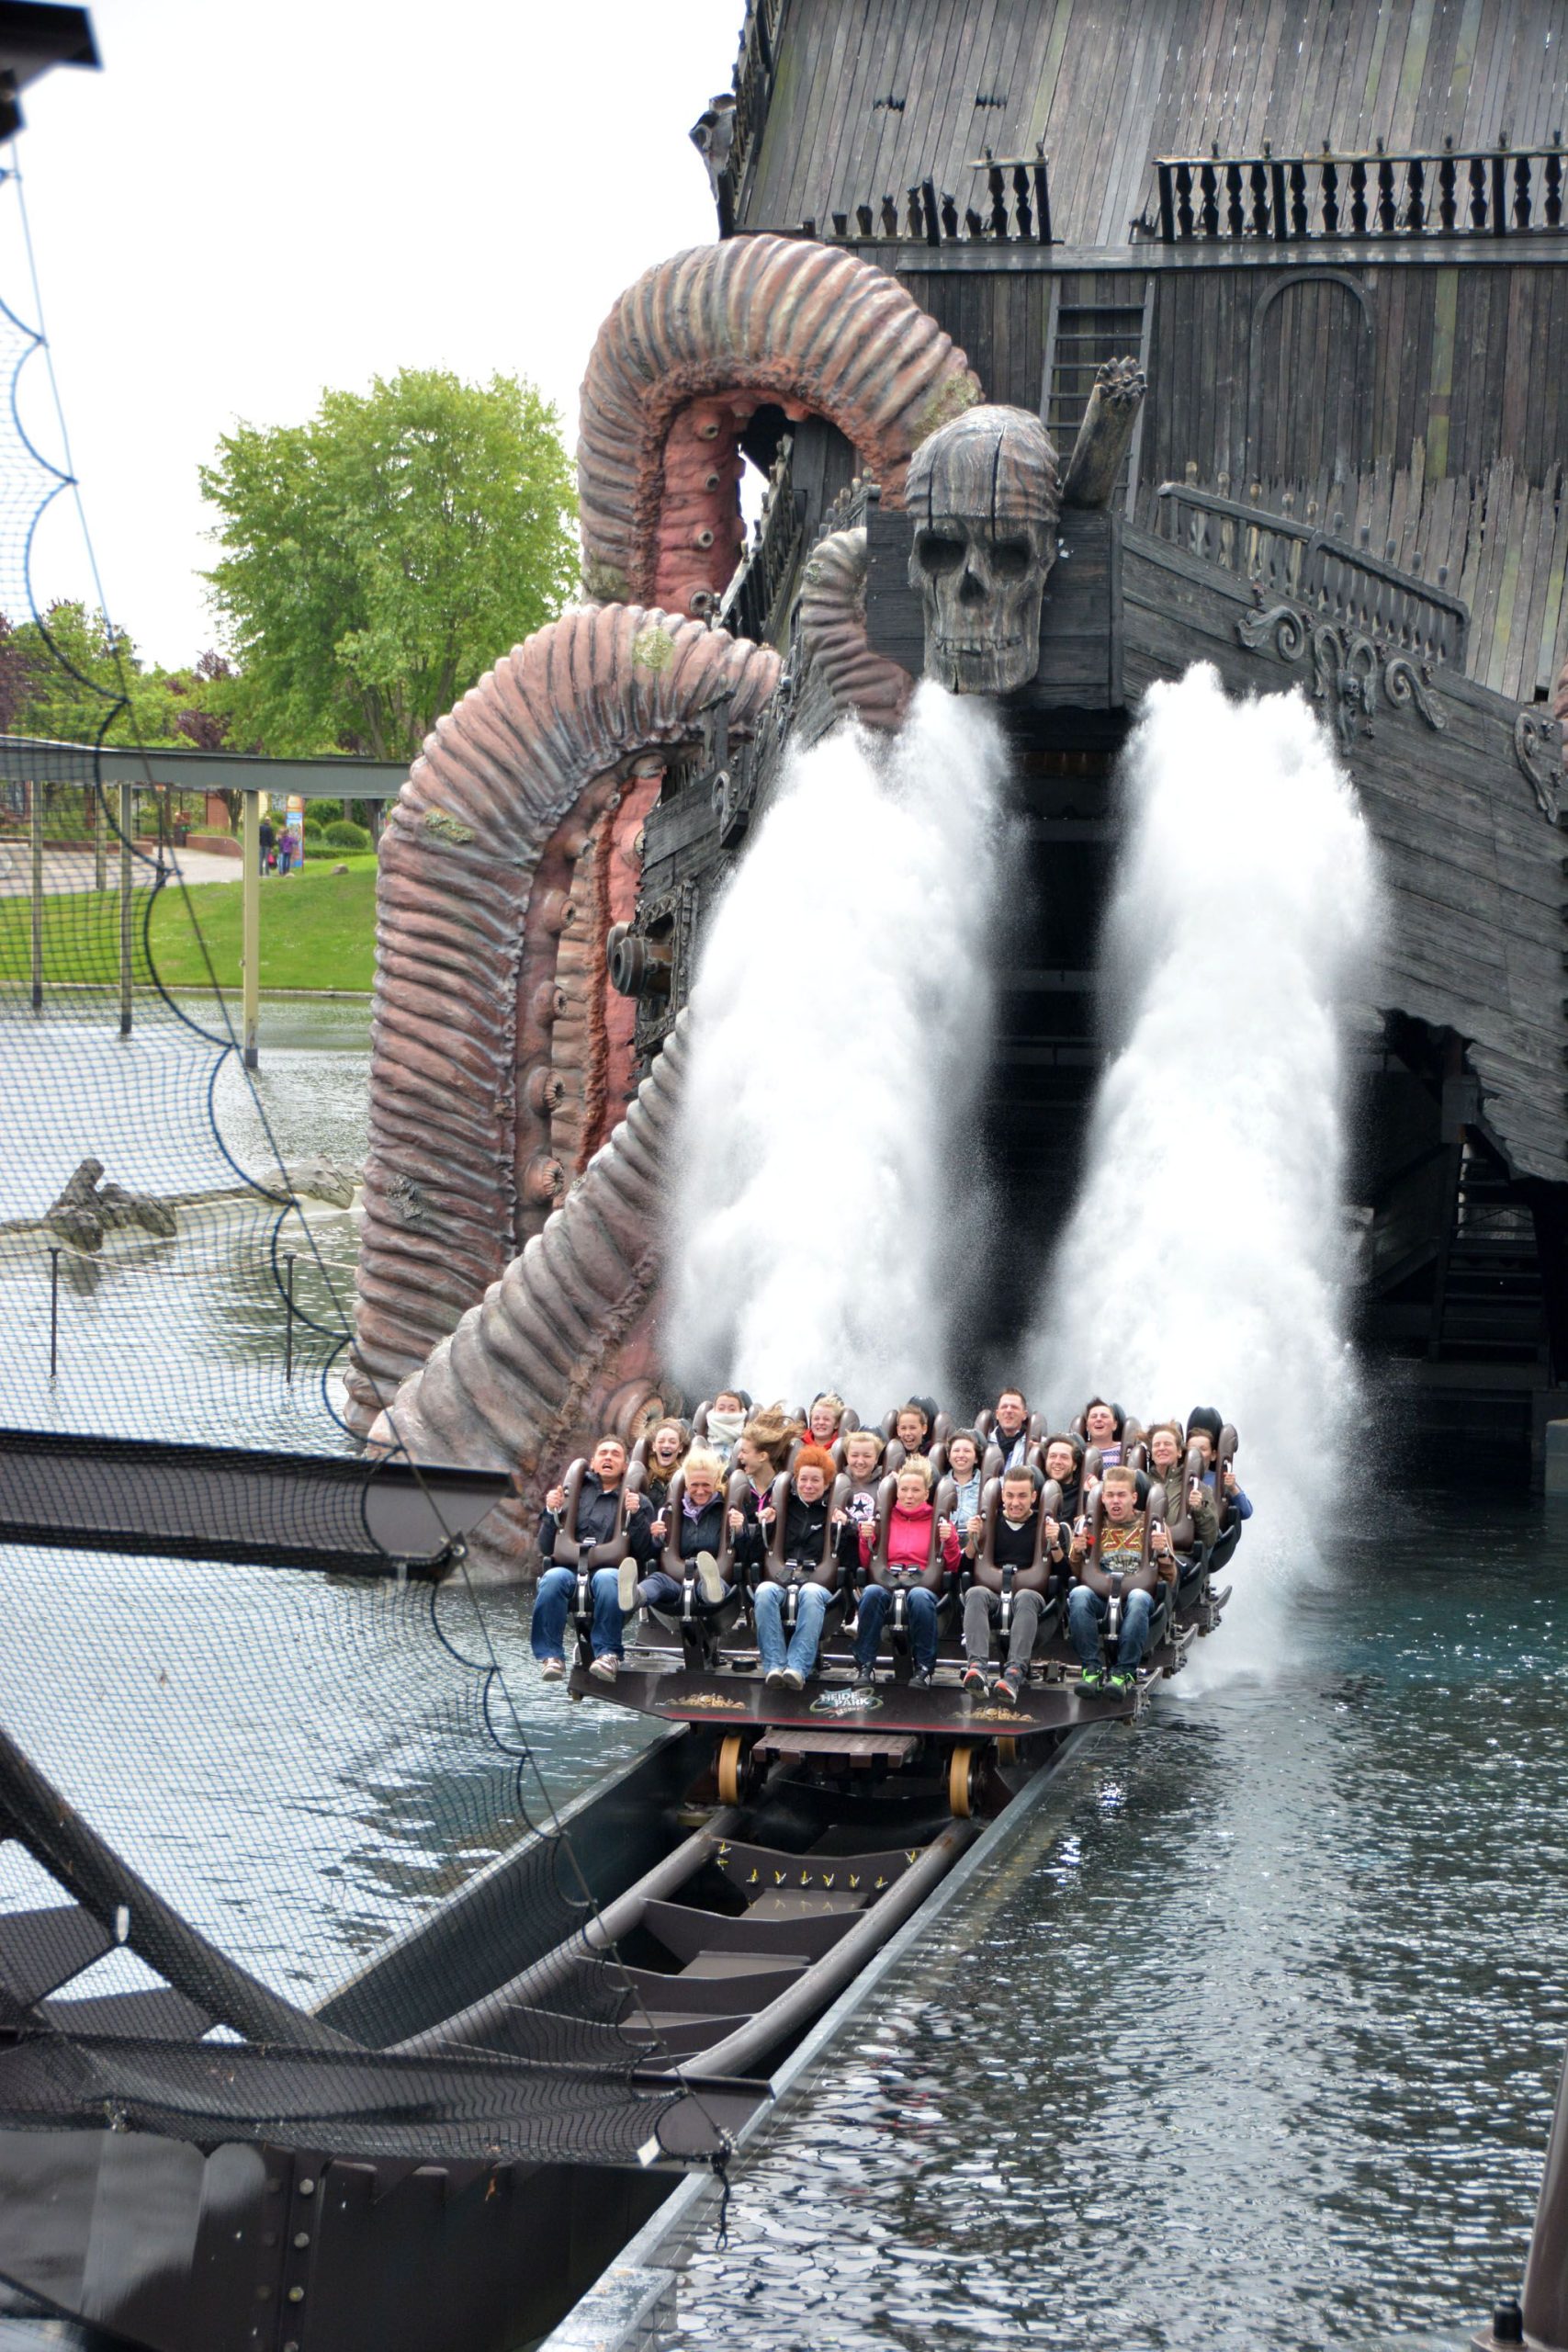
x=1114 y=1585
x=900 y=1578
x=802 y=1546
x=572 y=1550
x=1005 y=1577
x=698 y=1625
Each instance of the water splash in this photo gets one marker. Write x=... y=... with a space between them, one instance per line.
x=1205 y=1259
x=840 y=1015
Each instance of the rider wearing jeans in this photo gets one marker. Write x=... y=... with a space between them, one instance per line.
x=807 y=1516
x=909 y=1552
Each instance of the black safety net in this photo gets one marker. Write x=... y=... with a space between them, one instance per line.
x=280 y=1792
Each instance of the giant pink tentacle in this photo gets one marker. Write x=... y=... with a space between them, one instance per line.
x=478 y=865
x=563 y=1347
x=689 y=352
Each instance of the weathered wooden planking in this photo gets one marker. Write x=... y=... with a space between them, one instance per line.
x=1473 y=872
x=1108 y=89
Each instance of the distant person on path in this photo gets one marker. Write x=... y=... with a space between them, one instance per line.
x=285 y=849
x=268 y=839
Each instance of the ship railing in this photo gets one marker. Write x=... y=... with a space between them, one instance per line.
x=739 y=133
x=1296 y=563
x=1006 y=202
x=1289 y=199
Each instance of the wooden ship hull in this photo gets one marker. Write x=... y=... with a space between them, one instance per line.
x=1342 y=265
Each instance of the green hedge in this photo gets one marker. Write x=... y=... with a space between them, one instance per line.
x=344 y=834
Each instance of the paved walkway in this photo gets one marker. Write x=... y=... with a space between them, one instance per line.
x=74 y=869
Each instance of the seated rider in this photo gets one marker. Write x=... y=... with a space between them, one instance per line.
x=598 y=1516
x=698 y=1537
x=862 y=1458
x=1121 y=1553
x=809 y=1564
x=1012 y=1547
x=762 y=1450
x=963 y=1451
x=1064 y=1461
x=1009 y=1428
x=913 y=1427
x=908 y=1561
x=1103 y=1425
x=726 y=1419
x=1203 y=1427
x=1168 y=1451
x=825 y=1419
x=666 y=1451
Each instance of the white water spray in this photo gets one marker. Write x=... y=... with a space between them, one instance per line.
x=1204 y=1260
x=841 y=1018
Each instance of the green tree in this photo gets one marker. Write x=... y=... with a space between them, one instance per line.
x=378 y=559
x=74 y=677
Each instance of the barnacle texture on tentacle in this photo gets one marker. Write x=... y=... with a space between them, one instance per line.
x=841 y=665
x=687 y=357
x=477 y=871
x=562 y=1347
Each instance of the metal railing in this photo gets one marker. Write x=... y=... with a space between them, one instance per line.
x=1007 y=201
x=1297 y=563
x=1495 y=192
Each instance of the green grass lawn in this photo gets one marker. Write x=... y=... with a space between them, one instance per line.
x=318 y=930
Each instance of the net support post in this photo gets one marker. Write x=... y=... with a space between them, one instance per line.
x=35 y=828
x=249 y=930
x=127 y=822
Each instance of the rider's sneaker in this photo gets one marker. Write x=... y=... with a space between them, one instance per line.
x=972 y=1678
x=1005 y=1689
x=605 y=1668
x=792 y=1679
x=776 y=1678
x=551 y=1669
x=921 y=1678
x=626 y=1584
x=1120 y=1680
x=1091 y=1683
x=865 y=1676
x=710 y=1584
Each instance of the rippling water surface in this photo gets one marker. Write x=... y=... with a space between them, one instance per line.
x=1253 y=2044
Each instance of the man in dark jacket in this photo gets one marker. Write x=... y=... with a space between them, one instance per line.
x=598 y=1521
x=1012 y=1547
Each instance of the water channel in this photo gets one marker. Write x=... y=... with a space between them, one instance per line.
x=1251 y=2044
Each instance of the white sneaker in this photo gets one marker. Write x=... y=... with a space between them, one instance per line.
x=710 y=1584
x=777 y=1679
x=550 y=1670
x=793 y=1680
x=606 y=1668
x=626 y=1584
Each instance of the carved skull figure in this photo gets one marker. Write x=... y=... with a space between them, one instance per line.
x=984 y=495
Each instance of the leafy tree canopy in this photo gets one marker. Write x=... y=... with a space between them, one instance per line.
x=378 y=559
x=74 y=678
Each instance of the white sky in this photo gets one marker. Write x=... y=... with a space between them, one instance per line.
x=249 y=204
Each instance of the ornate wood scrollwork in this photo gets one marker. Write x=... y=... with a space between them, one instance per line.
x=1538 y=747
x=1353 y=675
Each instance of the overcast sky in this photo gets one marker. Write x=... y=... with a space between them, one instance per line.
x=250 y=203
